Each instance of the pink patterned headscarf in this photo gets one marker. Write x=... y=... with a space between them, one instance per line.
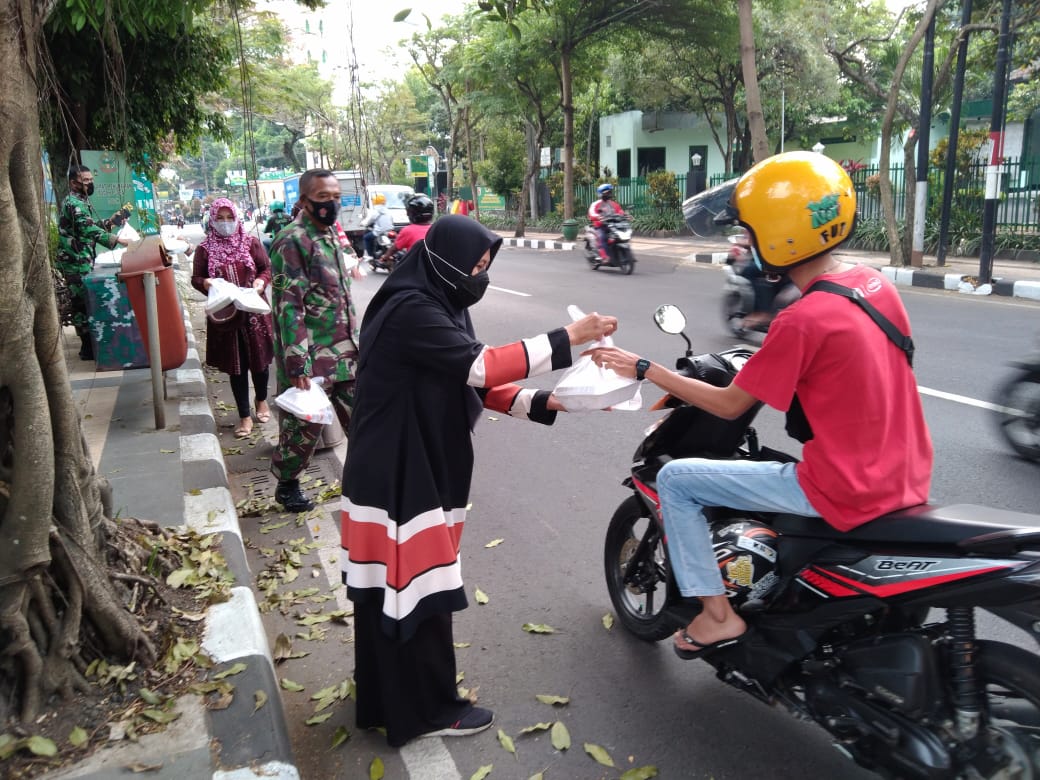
x=225 y=253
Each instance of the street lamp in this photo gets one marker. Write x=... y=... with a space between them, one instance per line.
x=818 y=147
x=696 y=160
x=695 y=177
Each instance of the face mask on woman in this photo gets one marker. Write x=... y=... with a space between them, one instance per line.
x=224 y=227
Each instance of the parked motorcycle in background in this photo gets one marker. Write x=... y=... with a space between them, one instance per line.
x=619 y=251
x=380 y=260
x=1019 y=415
x=868 y=633
x=739 y=312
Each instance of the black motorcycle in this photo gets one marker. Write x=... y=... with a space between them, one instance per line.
x=869 y=633
x=1019 y=413
x=619 y=250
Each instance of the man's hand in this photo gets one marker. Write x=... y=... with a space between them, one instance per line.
x=302 y=382
x=591 y=327
x=123 y=241
x=617 y=360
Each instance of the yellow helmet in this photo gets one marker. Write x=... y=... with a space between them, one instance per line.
x=378 y=199
x=796 y=206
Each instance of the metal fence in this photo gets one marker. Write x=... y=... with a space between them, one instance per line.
x=1017 y=212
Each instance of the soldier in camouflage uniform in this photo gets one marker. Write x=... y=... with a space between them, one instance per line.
x=79 y=231
x=315 y=326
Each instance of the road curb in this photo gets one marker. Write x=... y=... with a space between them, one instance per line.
x=916 y=277
x=539 y=243
x=248 y=742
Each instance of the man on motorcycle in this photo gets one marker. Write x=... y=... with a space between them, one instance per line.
x=378 y=222
x=420 y=215
x=869 y=452
x=606 y=206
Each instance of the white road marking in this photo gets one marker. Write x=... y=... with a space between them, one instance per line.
x=428 y=759
x=511 y=292
x=963 y=399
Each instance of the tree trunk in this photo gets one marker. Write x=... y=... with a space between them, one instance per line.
x=756 y=119
x=471 y=164
x=567 y=103
x=887 y=201
x=910 y=214
x=54 y=586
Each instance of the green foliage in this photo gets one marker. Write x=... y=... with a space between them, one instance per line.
x=657 y=219
x=664 y=192
x=503 y=170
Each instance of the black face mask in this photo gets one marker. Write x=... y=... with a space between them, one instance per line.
x=469 y=289
x=86 y=189
x=464 y=290
x=325 y=211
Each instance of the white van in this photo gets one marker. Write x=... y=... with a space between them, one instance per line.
x=397 y=196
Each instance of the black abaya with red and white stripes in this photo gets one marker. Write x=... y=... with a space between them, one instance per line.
x=423 y=378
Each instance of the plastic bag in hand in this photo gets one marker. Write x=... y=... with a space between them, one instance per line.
x=249 y=299
x=312 y=405
x=128 y=232
x=587 y=386
x=221 y=293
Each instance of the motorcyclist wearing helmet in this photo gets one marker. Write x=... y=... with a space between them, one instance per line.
x=869 y=452
x=604 y=207
x=420 y=214
x=278 y=218
x=378 y=222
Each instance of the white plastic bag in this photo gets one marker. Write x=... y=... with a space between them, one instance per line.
x=128 y=232
x=586 y=386
x=221 y=294
x=249 y=299
x=312 y=405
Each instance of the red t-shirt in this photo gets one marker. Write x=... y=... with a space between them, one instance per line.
x=409 y=234
x=870 y=453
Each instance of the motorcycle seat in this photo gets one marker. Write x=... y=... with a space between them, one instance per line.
x=968 y=526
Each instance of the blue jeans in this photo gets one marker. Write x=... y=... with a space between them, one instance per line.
x=686 y=486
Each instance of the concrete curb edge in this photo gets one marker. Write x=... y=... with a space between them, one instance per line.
x=250 y=744
x=916 y=277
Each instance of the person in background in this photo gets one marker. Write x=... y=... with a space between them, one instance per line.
x=79 y=233
x=423 y=382
x=420 y=216
x=378 y=222
x=241 y=344
x=275 y=222
x=606 y=206
x=315 y=326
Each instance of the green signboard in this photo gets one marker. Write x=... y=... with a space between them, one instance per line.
x=116 y=185
x=488 y=199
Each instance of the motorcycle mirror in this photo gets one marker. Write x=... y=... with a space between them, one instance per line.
x=670 y=319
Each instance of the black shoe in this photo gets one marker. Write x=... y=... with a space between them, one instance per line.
x=473 y=722
x=86 y=351
x=292 y=499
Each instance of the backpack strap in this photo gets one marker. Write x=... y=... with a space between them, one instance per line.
x=905 y=343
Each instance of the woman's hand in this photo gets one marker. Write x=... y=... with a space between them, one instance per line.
x=591 y=327
x=258 y=285
x=618 y=360
x=553 y=404
x=206 y=284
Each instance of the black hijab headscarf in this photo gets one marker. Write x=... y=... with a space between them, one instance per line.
x=427 y=272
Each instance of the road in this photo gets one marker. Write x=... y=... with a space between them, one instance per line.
x=548 y=494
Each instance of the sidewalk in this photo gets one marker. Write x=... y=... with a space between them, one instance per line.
x=176 y=476
x=1018 y=278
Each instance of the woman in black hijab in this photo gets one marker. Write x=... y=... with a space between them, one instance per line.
x=423 y=379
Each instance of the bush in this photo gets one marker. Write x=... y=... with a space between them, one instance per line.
x=657 y=219
x=664 y=192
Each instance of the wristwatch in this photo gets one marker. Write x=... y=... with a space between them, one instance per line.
x=641 y=366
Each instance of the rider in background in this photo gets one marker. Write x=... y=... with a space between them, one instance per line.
x=606 y=206
x=868 y=452
x=420 y=215
x=275 y=222
x=378 y=221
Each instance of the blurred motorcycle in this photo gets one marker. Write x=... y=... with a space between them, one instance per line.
x=1019 y=412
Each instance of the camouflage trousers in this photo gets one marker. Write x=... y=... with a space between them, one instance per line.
x=297 y=438
x=77 y=298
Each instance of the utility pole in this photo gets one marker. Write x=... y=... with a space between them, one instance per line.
x=996 y=137
x=924 y=134
x=954 y=136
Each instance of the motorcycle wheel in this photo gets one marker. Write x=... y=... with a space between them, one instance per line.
x=1020 y=423
x=640 y=602
x=1010 y=677
x=733 y=313
x=624 y=259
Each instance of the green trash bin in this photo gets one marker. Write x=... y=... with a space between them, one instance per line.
x=570 y=229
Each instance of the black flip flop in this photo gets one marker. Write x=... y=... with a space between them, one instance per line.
x=689 y=655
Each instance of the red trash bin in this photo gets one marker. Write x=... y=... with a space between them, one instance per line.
x=151 y=255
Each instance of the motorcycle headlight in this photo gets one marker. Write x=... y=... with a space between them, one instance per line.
x=624 y=235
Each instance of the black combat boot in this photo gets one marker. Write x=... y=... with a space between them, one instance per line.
x=86 y=349
x=292 y=499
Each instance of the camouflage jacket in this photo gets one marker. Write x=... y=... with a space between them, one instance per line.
x=79 y=230
x=315 y=331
